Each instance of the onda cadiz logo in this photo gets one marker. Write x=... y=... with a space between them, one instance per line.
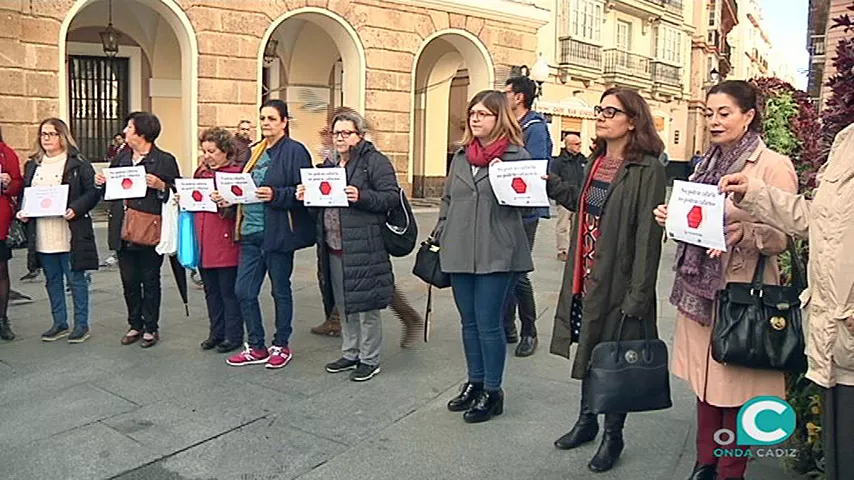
x=763 y=421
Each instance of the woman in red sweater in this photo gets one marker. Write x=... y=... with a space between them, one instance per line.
x=11 y=184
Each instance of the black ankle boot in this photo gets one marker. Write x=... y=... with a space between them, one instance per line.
x=585 y=430
x=703 y=472
x=608 y=453
x=466 y=398
x=488 y=404
x=6 y=332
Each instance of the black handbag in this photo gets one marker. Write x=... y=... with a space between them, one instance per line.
x=400 y=234
x=760 y=326
x=427 y=266
x=628 y=376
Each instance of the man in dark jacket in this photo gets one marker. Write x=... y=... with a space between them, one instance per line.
x=243 y=142
x=521 y=92
x=569 y=166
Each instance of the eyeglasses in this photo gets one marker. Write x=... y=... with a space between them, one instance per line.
x=47 y=135
x=607 y=112
x=480 y=115
x=342 y=134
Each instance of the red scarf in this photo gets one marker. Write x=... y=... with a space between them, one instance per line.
x=480 y=156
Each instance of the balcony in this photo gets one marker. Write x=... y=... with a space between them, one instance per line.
x=665 y=74
x=627 y=69
x=582 y=60
x=675 y=6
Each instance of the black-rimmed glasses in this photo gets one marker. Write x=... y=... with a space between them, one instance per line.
x=607 y=112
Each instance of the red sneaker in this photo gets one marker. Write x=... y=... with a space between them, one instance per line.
x=249 y=356
x=279 y=357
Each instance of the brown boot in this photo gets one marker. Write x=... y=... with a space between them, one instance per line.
x=413 y=324
x=330 y=327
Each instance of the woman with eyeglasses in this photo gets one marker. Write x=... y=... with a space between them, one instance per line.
x=734 y=119
x=355 y=266
x=484 y=248
x=615 y=248
x=270 y=232
x=63 y=246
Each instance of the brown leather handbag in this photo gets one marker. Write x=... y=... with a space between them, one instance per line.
x=141 y=228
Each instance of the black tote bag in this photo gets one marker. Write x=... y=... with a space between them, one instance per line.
x=760 y=326
x=628 y=375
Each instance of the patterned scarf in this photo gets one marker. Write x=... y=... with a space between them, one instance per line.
x=480 y=156
x=698 y=277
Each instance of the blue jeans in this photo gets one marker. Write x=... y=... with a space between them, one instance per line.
x=254 y=265
x=57 y=266
x=479 y=300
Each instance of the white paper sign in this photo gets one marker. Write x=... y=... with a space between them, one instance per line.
x=125 y=182
x=236 y=187
x=45 y=201
x=695 y=215
x=324 y=187
x=520 y=184
x=195 y=194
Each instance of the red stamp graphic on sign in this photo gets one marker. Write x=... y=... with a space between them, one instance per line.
x=325 y=188
x=197 y=195
x=519 y=185
x=127 y=183
x=237 y=190
x=695 y=217
x=46 y=203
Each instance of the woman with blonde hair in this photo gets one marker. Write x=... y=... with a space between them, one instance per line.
x=63 y=246
x=483 y=248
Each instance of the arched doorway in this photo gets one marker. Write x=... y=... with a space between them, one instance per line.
x=319 y=64
x=156 y=69
x=449 y=69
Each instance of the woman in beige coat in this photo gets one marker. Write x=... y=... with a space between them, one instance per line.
x=828 y=222
x=734 y=122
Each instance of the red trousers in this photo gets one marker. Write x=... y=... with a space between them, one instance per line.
x=710 y=419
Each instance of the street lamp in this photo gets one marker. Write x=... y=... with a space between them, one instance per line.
x=270 y=51
x=714 y=76
x=540 y=73
x=110 y=37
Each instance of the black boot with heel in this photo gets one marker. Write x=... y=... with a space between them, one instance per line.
x=584 y=431
x=489 y=403
x=468 y=395
x=612 y=444
x=6 y=332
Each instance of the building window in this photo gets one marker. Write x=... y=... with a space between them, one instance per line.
x=624 y=35
x=714 y=13
x=668 y=46
x=587 y=20
x=564 y=18
x=99 y=100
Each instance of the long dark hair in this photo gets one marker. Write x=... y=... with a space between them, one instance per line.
x=644 y=139
x=746 y=96
x=280 y=107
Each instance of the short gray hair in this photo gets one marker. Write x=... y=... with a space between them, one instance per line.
x=352 y=116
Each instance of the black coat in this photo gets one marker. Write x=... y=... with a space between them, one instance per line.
x=82 y=198
x=368 y=276
x=569 y=167
x=158 y=163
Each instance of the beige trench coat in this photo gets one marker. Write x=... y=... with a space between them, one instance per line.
x=726 y=385
x=828 y=222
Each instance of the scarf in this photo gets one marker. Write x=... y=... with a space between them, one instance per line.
x=480 y=156
x=698 y=277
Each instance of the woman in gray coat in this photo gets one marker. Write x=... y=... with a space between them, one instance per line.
x=483 y=248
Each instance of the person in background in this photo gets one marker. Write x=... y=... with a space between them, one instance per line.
x=139 y=265
x=11 y=186
x=63 y=246
x=353 y=258
x=115 y=147
x=734 y=119
x=569 y=166
x=612 y=268
x=270 y=232
x=483 y=273
x=521 y=92
x=243 y=143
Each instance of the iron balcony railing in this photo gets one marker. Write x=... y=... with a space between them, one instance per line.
x=625 y=63
x=578 y=53
x=666 y=74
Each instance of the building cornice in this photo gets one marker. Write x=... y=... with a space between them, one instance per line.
x=508 y=11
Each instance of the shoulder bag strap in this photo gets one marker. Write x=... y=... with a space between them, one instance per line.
x=427 y=313
x=799 y=280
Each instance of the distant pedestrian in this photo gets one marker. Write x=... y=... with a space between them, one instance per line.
x=11 y=186
x=569 y=167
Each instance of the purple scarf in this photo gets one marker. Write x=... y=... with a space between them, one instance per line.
x=698 y=277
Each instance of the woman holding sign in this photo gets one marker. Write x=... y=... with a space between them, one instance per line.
x=270 y=230
x=735 y=123
x=484 y=248
x=65 y=245
x=356 y=270
x=612 y=266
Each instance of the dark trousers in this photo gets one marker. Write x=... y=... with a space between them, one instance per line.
x=140 y=271
x=710 y=419
x=837 y=432
x=522 y=294
x=614 y=422
x=223 y=307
